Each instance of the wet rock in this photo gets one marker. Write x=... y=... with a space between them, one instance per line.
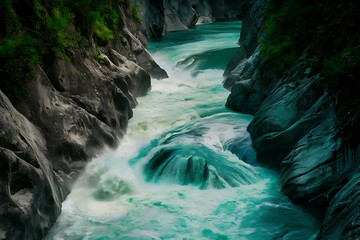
x=146 y=61
x=243 y=75
x=243 y=149
x=199 y=166
x=204 y=19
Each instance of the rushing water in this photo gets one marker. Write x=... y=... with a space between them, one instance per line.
x=180 y=172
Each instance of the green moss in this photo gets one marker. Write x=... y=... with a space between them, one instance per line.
x=286 y=30
x=322 y=34
x=325 y=31
x=97 y=17
x=123 y=41
x=134 y=11
x=342 y=68
x=36 y=31
x=17 y=57
x=99 y=57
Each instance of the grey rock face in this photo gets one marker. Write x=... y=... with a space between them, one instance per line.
x=72 y=110
x=44 y=147
x=152 y=13
x=251 y=32
x=161 y=16
x=226 y=8
x=342 y=220
x=132 y=46
x=30 y=192
x=243 y=75
x=173 y=22
x=294 y=130
x=180 y=15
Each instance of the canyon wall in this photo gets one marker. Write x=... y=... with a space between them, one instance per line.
x=162 y=16
x=72 y=110
x=296 y=128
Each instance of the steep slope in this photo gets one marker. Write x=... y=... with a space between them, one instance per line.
x=162 y=16
x=57 y=116
x=299 y=125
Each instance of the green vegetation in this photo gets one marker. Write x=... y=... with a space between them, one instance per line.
x=36 y=31
x=326 y=35
x=96 y=17
x=327 y=32
x=99 y=57
x=127 y=1
x=285 y=30
x=134 y=11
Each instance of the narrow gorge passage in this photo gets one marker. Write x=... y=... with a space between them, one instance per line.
x=186 y=168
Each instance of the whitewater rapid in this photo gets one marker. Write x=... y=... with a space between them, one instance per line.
x=186 y=168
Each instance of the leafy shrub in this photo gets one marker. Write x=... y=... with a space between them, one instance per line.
x=323 y=30
x=35 y=31
x=327 y=34
x=342 y=68
x=287 y=28
x=134 y=11
x=20 y=55
x=95 y=16
x=98 y=57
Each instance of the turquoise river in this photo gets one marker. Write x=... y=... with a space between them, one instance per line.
x=186 y=168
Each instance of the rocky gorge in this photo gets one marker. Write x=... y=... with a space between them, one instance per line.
x=79 y=104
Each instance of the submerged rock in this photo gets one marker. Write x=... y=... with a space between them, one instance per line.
x=199 y=166
x=193 y=155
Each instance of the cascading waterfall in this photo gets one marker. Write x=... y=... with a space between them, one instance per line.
x=186 y=168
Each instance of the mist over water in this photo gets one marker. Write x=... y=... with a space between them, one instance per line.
x=186 y=168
